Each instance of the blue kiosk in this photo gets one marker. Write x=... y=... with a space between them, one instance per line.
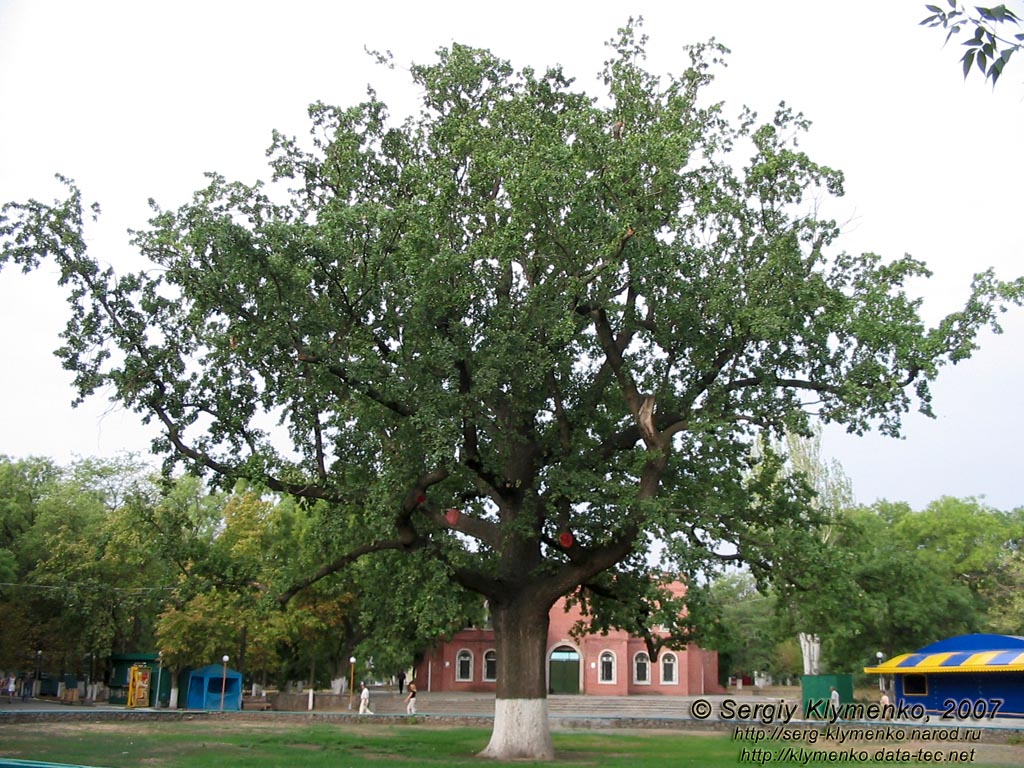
x=970 y=673
x=209 y=686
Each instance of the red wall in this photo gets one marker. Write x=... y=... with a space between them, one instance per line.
x=696 y=670
x=437 y=671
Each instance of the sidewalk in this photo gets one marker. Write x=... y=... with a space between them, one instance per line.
x=564 y=711
x=51 y=704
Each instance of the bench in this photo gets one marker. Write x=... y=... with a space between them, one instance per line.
x=255 y=703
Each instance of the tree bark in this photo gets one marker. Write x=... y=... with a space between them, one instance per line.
x=810 y=647
x=521 y=729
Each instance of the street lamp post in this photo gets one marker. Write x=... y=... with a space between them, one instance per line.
x=224 y=681
x=351 y=679
x=159 y=675
x=39 y=672
x=881 y=677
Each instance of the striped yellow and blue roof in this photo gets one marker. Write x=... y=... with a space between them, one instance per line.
x=951 y=661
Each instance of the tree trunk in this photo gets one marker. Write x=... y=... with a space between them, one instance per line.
x=521 y=728
x=810 y=647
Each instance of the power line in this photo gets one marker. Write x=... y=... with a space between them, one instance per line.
x=73 y=584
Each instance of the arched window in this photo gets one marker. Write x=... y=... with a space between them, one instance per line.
x=491 y=665
x=668 y=669
x=642 y=669
x=464 y=666
x=607 y=667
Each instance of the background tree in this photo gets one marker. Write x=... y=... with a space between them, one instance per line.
x=966 y=539
x=523 y=332
x=79 y=588
x=809 y=609
x=228 y=550
x=921 y=576
x=745 y=632
x=23 y=483
x=234 y=551
x=906 y=580
x=903 y=602
x=1006 y=607
x=219 y=545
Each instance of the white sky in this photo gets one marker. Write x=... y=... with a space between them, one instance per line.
x=136 y=99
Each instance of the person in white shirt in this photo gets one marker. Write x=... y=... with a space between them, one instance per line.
x=410 y=700
x=364 y=700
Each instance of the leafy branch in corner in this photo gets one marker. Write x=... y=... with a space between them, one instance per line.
x=987 y=49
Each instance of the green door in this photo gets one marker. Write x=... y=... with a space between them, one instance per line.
x=564 y=671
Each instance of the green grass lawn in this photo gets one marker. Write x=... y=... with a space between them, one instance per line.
x=254 y=744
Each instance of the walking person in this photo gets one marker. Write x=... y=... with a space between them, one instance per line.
x=410 y=700
x=12 y=686
x=364 y=700
x=401 y=682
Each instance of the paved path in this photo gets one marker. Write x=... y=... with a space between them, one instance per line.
x=568 y=711
x=386 y=701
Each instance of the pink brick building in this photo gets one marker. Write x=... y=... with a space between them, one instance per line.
x=600 y=665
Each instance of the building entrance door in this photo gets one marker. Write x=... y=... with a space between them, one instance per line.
x=564 y=670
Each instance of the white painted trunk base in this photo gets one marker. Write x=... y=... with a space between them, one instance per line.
x=520 y=731
x=810 y=647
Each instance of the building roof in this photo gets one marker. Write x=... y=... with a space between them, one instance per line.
x=967 y=653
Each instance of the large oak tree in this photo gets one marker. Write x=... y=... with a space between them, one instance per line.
x=523 y=331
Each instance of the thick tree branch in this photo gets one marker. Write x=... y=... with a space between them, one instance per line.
x=613 y=355
x=627 y=438
x=587 y=562
x=757 y=381
x=305 y=490
x=363 y=388
x=338 y=564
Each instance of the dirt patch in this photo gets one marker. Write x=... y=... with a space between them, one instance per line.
x=209 y=728
x=968 y=752
x=996 y=754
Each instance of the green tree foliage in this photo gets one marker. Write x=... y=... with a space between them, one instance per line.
x=902 y=603
x=564 y=319
x=1006 y=610
x=219 y=547
x=805 y=607
x=76 y=584
x=906 y=580
x=23 y=483
x=98 y=558
x=991 y=36
x=966 y=539
x=921 y=576
x=233 y=552
x=745 y=631
x=402 y=605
